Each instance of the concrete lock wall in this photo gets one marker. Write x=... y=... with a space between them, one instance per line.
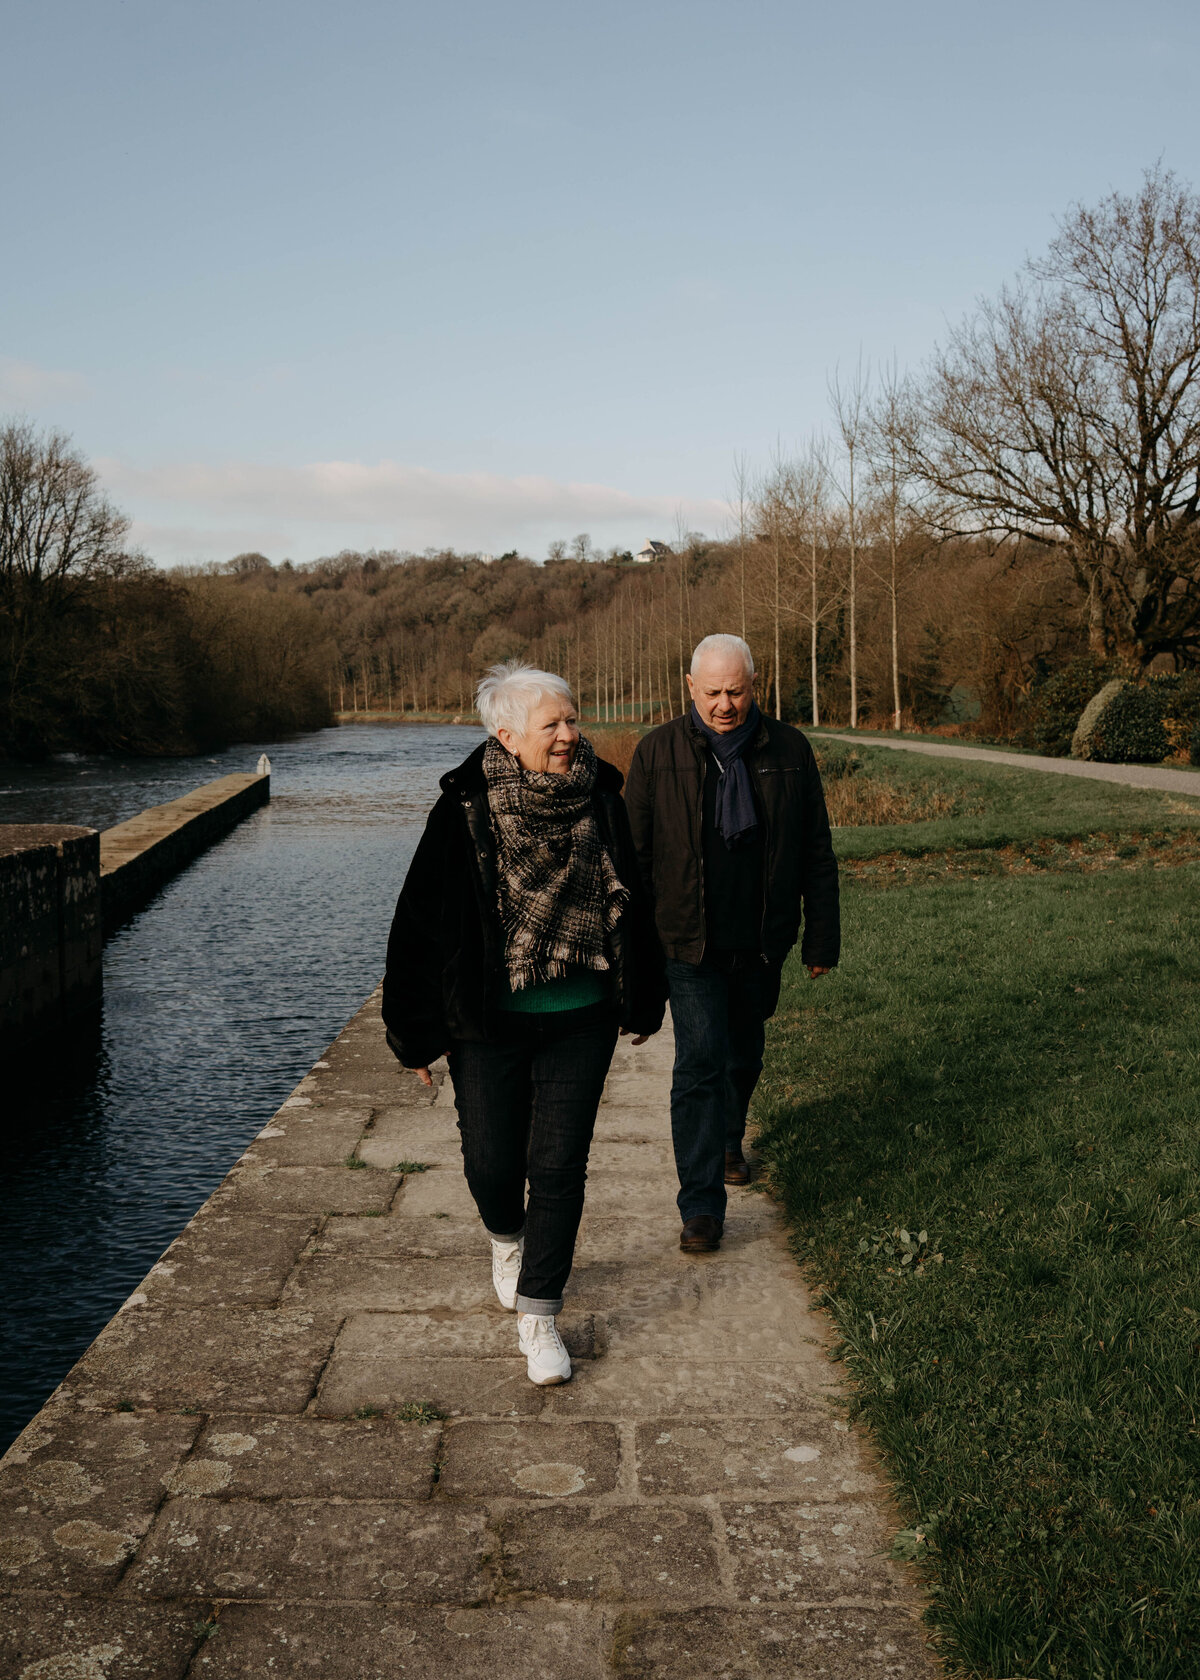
x=62 y=889
x=138 y=856
x=50 y=925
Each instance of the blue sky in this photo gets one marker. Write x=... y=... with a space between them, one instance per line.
x=305 y=276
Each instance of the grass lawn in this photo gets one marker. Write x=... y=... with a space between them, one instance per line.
x=995 y=805
x=1011 y=1066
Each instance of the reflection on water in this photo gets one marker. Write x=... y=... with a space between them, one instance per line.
x=217 y=999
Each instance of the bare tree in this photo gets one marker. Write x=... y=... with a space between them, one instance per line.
x=739 y=504
x=57 y=532
x=849 y=407
x=885 y=446
x=1067 y=412
x=823 y=592
x=55 y=525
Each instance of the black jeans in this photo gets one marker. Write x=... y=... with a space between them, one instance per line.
x=526 y=1110
x=718 y=1008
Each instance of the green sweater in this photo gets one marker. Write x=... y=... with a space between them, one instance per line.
x=576 y=991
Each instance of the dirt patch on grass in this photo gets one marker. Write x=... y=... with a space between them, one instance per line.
x=857 y=799
x=862 y=802
x=1034 y=857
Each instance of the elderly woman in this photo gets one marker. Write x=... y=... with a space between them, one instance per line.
x=521 y=944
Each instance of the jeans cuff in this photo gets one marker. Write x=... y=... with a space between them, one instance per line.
x=542 y=1308
x=498 y=1236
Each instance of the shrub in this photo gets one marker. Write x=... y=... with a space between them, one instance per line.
x=1130 y=729
x=1194 y=750
x=1178 y=693
x=1056 y=704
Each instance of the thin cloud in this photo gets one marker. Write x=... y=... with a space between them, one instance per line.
x=331 y=504
x=26 y=385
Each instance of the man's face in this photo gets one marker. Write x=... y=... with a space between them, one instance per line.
x=723 y=691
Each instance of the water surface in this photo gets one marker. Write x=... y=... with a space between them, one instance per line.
x=218 y=997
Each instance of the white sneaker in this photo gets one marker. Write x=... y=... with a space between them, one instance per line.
x=547 y=1360
x=506 y=1269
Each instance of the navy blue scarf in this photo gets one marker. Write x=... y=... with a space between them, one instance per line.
x=737 y=816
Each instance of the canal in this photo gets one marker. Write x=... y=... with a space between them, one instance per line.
x=217 y=999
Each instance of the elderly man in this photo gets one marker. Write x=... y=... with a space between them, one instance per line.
x=733 y=843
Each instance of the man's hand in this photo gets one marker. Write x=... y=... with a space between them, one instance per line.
x=424 y=1075
x=640 y=1039
x=815 y=971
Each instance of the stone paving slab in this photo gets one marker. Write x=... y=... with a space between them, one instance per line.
x=314 y=1548
x=807 y=1456
x=307 y=1446
x=401 y=1235
x=50 y=1636
x=456 y=1387
x=449 y=1334
x=257 y=1189
x=228 y=1260
x=296 y=1140
x=772 y=1644
x=255 y=1457
x=546 y=1460
x=209 y=1361
x=643 y=1553
x=372 y=1642
x=79 y=1489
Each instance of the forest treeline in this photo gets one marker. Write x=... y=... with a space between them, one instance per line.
x=101 y=651
x=977 y=547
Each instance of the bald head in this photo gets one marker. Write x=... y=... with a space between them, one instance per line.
x=721 y=682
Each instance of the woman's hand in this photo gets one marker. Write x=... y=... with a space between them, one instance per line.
x=424 y=1075
x=640 y=1039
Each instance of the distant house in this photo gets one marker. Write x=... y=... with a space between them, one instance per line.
x=650 y=550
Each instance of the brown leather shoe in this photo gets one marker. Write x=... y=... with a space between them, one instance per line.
x=701 y=1235
x=737 y=1169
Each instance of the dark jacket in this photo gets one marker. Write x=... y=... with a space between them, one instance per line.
x=665 y=798
x=446 y=948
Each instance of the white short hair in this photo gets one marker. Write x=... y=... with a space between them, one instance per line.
x=733 y=647
x=509 y=692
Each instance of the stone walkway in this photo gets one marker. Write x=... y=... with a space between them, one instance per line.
x=306 y=1446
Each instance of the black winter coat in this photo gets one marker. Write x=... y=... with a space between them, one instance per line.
x=665 y=799
x=446 y=948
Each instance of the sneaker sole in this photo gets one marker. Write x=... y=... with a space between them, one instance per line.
x=548 y=1382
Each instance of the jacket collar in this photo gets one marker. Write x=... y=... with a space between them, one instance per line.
x=467 y=780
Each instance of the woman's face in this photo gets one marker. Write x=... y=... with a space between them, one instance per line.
x=550 y=740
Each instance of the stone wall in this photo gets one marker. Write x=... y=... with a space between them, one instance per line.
x=138 y=856
x=50 y=934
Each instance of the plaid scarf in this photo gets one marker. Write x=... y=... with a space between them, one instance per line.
x=559 y=893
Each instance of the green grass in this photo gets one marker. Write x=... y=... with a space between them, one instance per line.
x=1011 y=1067
x=1000 y=805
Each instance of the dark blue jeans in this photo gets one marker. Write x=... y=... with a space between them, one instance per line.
x=718 y=1008
x=526 y=1110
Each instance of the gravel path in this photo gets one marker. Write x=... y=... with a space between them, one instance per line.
x=1131 y=775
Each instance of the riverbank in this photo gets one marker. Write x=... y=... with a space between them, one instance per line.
x=217 y=997
x=307 y=1441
